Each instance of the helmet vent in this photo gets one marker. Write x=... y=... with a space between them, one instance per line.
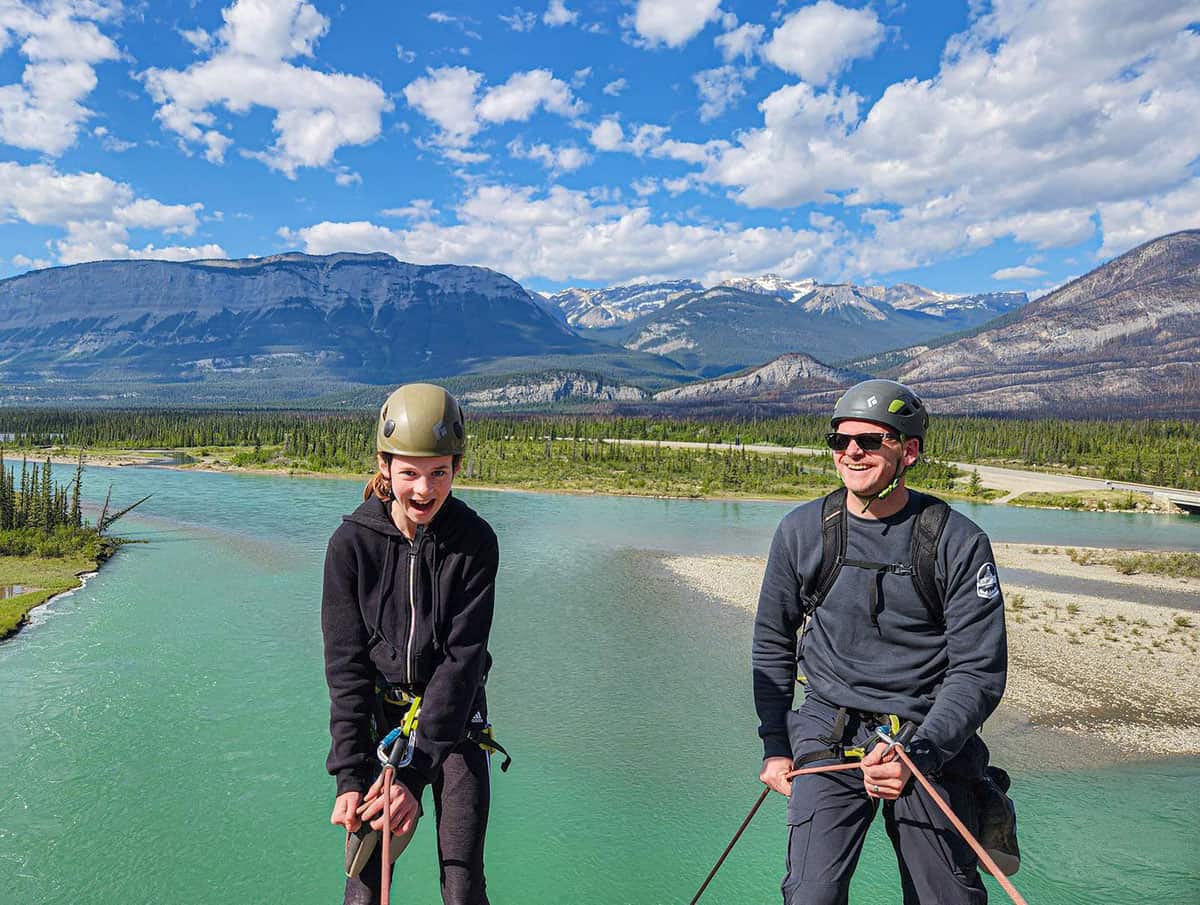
x=389 y=427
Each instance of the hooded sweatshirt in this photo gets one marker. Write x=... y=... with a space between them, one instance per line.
x=414 y=613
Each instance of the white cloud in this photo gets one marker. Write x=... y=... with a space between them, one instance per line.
x=418 y=209
x=271 y=30
x=26 y=263
x=644 y=188
x=404 y=55
x=110 y=142
x=580 y=77
x=566 y=235
x=719 y=89
x=447 y=96
x=1045 y=118
x=673 y=22
x=179 y=252
x=465 y=157
x=1130 y=223
x=607 y=135
x=519 y=20
x=200 y=39
x=1021 y=272
x=43 y=112
x=96 y=213
x=563 y=159
x=316 y=112
x=742 y=42
x=818 y=42
x=523 y=93
x=647 y=138
x=615 y=87
x=557 y=14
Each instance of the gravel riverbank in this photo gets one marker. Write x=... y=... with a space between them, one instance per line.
x=1116 y=675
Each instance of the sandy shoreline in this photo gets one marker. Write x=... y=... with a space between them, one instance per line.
x=1103 y=679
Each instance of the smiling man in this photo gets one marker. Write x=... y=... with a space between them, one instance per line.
x=890 y=603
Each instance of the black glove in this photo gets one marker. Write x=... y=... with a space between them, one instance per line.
x=925 y=757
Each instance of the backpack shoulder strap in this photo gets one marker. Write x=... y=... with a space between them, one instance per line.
x=927 y=534
x=833 y=546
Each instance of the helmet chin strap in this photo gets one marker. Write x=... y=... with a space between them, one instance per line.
x=887 y=490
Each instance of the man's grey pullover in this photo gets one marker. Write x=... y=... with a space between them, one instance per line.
x=949 y=678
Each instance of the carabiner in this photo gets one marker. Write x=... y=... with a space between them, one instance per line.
x=387 y=748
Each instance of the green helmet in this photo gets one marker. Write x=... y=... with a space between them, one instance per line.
x=884 y=402
x=423 y=420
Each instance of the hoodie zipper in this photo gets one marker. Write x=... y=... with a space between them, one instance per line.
x=413 y=552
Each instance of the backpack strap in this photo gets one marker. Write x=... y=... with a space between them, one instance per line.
x=927 y=534
x=833 y=547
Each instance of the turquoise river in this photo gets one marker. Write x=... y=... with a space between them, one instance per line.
x=164 y=728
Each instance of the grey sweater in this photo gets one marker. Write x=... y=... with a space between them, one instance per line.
x=947 y=678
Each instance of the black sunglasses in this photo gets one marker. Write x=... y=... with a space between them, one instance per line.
x=866 y=442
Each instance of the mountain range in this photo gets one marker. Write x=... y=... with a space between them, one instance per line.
x=1122 y=339
x=743 y=321
x=294 y=322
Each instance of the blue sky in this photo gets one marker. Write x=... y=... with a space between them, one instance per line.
x=965 y=146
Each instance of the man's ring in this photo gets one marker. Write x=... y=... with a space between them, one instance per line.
x=875 y=789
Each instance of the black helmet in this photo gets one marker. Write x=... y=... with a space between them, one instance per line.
x=884 y=402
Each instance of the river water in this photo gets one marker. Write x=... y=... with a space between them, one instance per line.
x=165 y=726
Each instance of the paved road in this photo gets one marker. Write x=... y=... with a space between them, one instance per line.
x=1011 y=480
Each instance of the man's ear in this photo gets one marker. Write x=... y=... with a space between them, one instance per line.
x=912 y=451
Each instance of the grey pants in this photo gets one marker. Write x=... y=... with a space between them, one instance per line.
x=829 y=814
x=462 y=795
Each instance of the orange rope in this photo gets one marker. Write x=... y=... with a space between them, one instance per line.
x=982 y=855
x=385 y=881
x=754 y=810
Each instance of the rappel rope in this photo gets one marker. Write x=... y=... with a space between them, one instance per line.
x=982 y=855
x=400 y=741
x=828 y=768
x=984 y=858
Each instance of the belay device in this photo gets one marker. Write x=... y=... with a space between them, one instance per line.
x=395 y=751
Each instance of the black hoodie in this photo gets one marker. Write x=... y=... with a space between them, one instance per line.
x=414 y=613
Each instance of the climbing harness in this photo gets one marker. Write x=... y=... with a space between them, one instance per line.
x=394 y=752
x=485 y=738
x=984 y=858
x=896 y=737
x=892 y=722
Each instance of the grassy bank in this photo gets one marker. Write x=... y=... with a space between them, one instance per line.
x=1090 y=501
x=44 y=577
x=579 y=465
x=1172 y=565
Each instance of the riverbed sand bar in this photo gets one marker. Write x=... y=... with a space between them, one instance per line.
x=1117 y=674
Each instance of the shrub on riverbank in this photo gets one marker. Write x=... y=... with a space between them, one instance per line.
x=1150 y=451
x=59 y=542
x=1173 y=565
x=1089 y=500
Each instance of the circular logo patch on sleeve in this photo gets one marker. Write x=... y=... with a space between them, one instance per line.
x=987 y=582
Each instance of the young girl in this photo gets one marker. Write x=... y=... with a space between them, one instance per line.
x=407 y=606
